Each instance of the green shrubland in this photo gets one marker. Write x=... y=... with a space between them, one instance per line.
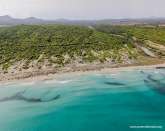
x=56 y=42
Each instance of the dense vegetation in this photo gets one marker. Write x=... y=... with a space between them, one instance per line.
x=63 y=44
x=60 y=44
x=150 y=37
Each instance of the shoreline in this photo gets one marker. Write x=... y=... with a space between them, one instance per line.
x=59 y=75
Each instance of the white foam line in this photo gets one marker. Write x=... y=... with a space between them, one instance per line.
x=57 y=81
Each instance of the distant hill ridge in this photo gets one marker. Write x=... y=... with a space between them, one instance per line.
x=8 y=20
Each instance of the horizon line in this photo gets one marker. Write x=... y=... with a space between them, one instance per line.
x=90 y=19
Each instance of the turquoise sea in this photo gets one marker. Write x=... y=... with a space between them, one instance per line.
x=119 y=101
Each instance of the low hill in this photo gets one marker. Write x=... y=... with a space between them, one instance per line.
x=61 y=45
x=31 y=48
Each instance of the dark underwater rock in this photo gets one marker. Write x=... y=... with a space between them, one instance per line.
x=156 y=85
x=20 y=96
x=114 y=83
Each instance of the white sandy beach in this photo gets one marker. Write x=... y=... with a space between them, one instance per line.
x=73 y=74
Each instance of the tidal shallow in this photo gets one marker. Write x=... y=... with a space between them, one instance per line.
x=99 y=102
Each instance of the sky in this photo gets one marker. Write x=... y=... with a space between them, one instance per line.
x=83 y=9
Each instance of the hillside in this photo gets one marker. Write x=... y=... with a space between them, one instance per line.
x=150 y=37
x=42 y=47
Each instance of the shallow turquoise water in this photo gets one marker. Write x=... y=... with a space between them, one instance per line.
x=98 y=102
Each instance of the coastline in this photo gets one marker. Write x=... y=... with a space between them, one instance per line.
x=53 y=75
